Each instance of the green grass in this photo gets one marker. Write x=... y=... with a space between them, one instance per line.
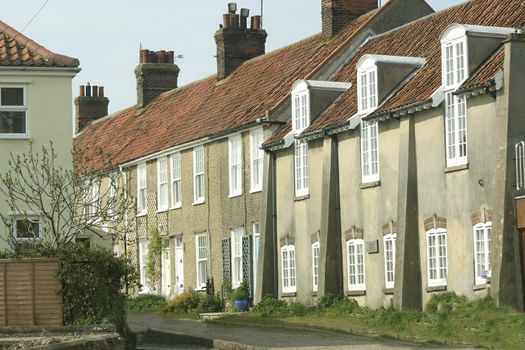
x=448 y=319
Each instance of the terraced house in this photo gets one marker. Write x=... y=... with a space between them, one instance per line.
x=411 y=181
x=35 y=106
x=191 y=155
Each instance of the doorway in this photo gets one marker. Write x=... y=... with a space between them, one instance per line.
x=166 y=272
x=522 y=255
x=179 y=266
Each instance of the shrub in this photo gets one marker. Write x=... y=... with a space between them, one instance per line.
x=270 y=306
x=299 y=309
x=242 y=292
x=337 y=303
x=184 y=302
x=147 y=302
x=444 y=302
x=153 y=268
x=210 y=303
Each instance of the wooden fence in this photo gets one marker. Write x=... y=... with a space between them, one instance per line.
x=30 y=293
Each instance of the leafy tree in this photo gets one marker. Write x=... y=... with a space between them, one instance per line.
x=66 y=201
x=153 y=268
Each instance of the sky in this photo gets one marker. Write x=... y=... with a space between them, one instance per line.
x=106 y=35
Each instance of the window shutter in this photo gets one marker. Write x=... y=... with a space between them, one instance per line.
x=247 y=262
x=226 y=264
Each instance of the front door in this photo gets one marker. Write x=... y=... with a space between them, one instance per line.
x=166 y=272
x=179 y=266
x=522 y=250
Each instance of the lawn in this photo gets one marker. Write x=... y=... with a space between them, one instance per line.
x=448 y=319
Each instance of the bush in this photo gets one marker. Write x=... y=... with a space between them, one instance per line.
x=147 y=302
x=210 y=303
x=337 y=303
x=184 y=302
x=444 y=302
x=270 y=306
x=93 y=282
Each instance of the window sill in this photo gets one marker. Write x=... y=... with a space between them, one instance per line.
x=388 y=291
x=256 y=190
x=371 y=184
x=162 y=210
x=15 y=136
x=233 y=195
x=355 y=293
x=314 y=294
x=142 y=213
x=436 y=289
x=481 y=286
x=178 y=206
x=451 y=169
x=301 y=198
x=199 y=202
x=288 y=295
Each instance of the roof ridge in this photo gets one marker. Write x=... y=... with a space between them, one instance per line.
x=37 y=48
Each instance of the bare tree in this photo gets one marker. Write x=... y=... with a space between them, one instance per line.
x=55 y=204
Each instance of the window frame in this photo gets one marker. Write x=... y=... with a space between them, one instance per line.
x=369 y=92
x=235 y=165
x=198 y=176
x=200 y=285
x=439 y=281
x=459 y=76
x=301 y=168
x=287 y=279
x=23 y=108
x=41 y=229
x=236 y=256
x=316 y=248
x=256 y=231
x=356 y=286
x=142 y=177
x=486 y=229
x=256 y=159
x=520 y=165
x=456 y=149
x=300 y=110
x=143 y=256
x=176 y=180
x=391 y=237
x=368 y=140
x=162 y=162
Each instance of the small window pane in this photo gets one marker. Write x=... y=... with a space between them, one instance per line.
x=12 y=122
x=12 y=97
x=27 y=228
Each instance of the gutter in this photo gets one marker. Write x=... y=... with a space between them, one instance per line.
x=40 y=69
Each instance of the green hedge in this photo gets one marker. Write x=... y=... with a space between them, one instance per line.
x=147 y=302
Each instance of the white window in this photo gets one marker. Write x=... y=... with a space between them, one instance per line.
x=301 y=168
x=356 y=264
x=116 y=249
x=176 y=181
x=112 y=198
x=256 y=160
x=288 y=268
x=437 y=257
x=201 y=245
x=91 y=200
x=236 y=239
x=367 y=90
x=141 y=189
x=456 y=129
x=162 y=184
x=235 y=164
x=520 y=165
x=198 y=175
x=143 y=258
x=27 y=228
x=482 y=238
x=454 y=63
x=389 y=248
x=13 y=111
x=316 y=248
x=300 y=111
x=369 y=152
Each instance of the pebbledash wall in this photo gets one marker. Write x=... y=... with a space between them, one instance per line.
x=415 y=192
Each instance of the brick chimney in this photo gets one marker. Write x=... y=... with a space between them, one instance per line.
x=90 y=105
x=156 y=73
x=236 y=43
x=339 y=13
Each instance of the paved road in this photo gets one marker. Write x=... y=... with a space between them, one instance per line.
x=259 y=336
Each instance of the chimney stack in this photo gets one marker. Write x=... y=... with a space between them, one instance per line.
x=90 y=105
x=236 y=43
x=337 y=14
x=156 y=73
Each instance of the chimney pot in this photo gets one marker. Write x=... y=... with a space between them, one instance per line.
x=234 y=21
x=90 y=108
x=232 y=7
x=100 y=91
x=95 y=91
x=88 y=90
x=256 y=22
x=337 y=14
x=245 y=12
x=226 y=20
x=82 y=90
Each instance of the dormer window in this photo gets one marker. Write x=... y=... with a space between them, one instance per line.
x=367 y=90
x=301 y=119
x=455 y=63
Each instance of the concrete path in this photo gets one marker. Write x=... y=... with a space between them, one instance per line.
x=216 y=334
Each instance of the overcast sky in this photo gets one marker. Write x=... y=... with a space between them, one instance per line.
x=106 y=34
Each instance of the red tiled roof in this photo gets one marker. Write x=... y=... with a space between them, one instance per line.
x=208 y=107
x=486 y=71
x=18 y=50
x=420 y=38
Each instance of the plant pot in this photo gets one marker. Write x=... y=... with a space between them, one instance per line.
x=242 y=304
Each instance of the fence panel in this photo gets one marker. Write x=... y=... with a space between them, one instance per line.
x=30 y=293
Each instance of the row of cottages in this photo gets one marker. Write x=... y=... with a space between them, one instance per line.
x=411 y=181
x=191 y=155
x=35 y=106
